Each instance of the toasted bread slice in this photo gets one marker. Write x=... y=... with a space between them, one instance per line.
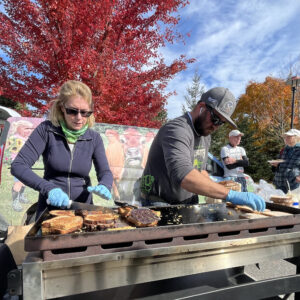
x=61 y=212
x=244 y=208
x=84 y=212
x=125 y=211
x=99 y=226
x=97 y=219
x=252 y=216
x=62 y=224
x=274 y=213
x=231 y=185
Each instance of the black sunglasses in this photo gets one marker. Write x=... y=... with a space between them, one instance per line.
x=214 y=118
x=75 y=112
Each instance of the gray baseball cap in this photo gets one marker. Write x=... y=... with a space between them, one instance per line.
x=222 y=100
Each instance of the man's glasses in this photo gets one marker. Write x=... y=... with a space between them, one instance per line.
x=214 y=118
x=75 y=112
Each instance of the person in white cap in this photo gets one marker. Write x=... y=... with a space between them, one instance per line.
x=175 y=172
x=287 y=173
x=235 y=159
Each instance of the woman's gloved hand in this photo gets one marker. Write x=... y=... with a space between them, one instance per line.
x=57 y=197
x=100 y=190
x=246 y=198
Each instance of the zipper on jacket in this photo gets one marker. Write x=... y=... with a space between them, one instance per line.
x=70 y=168
x=71 y=161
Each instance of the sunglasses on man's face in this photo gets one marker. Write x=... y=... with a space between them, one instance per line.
x=214 y=118
x=75 y=112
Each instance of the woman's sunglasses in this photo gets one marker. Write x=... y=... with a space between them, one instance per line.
x=214 y=118
x=75 y=112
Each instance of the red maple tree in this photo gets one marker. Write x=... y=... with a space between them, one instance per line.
x=111 y=45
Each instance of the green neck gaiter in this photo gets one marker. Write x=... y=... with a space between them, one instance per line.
x=72 y=135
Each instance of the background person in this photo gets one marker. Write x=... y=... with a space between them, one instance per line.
x=235 y=159
x=170 y=176
x=289 y=170
x=68 y=147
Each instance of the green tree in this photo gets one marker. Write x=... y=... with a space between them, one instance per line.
x=219 y=139
x=8 y=102
x=194 y=93
x=257 y=153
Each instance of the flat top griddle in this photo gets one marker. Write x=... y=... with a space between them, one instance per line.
x=180 y=224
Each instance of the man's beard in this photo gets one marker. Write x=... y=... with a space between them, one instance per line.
x=198 y=125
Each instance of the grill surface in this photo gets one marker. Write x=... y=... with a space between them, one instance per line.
x=180 y=225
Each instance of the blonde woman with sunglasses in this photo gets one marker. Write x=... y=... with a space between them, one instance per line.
x=68 y=146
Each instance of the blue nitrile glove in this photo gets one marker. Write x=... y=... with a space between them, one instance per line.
x=246 y=198
x=57 y=197
x=100 y=190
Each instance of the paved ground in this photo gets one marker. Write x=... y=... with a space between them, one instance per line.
x=270 y=270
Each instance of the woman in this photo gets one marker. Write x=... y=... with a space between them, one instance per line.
x=287 y=173
x=68 y=147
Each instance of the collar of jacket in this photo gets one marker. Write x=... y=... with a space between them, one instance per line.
x=57 y=130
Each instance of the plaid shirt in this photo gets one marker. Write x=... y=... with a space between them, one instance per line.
x=289 y=169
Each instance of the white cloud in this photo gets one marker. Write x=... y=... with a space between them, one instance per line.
x=235 y=43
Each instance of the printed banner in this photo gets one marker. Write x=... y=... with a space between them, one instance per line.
x=127 y=149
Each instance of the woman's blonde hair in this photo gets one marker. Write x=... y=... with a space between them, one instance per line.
x=69 y=89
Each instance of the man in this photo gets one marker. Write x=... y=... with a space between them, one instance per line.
x=235 y=159
x=287 y=172
x=170 y=176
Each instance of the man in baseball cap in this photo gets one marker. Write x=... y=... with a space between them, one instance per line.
x=292 y=132
x=175 y=172
x=222 y=101
x=287 y=171
x=235 y=159
x=235 y=132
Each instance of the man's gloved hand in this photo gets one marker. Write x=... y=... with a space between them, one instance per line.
x=100 y=190
x=245 y=198
x=57 y=197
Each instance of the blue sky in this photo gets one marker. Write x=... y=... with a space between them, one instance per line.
x=234 y=42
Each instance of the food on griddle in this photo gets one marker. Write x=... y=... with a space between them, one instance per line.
x=121 y=228
x=282 y=200
x=157 y=212
x=84 y=212
x=62 y=225
x=143 y=217
x=104 y=218
x=62 y=212
x=276 y=213
x=99 y=221
x=244 y=208
x=232 y=185
x=125 y=211
x=252 y=216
